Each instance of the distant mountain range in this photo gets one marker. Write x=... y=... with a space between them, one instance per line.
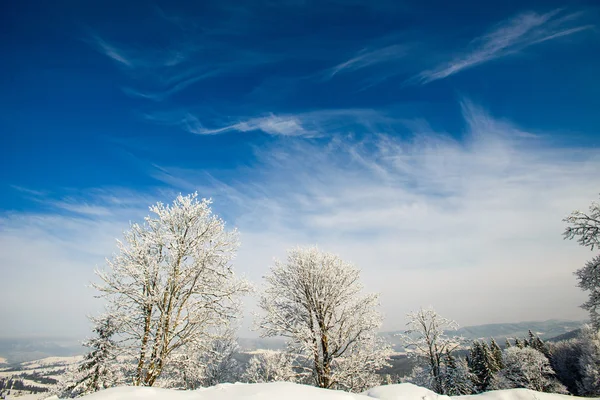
x=544 y=329
x=20 y=350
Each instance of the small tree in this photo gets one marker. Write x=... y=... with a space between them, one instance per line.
x=535 y=342
x=427 y=341
x=457 y=378
x=314 y=299
x=220 y=365
x=586 y=228
x=530 y=369
x=483 y=367
x=270 y=366
x=212 y=363
x=496 y=354
x=171 y=283
x=98 y=367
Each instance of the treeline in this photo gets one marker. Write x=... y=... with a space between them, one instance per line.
x=566 y=367
x=173 y=300
x=15 y=384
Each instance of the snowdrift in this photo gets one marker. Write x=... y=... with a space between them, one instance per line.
x=292 y=391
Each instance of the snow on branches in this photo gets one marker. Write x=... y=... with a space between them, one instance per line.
x=171 y=284
x=586 y=228
x=427 y=341
x=314 y=299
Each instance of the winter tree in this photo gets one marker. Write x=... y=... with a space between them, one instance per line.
x=535 y=342
x=530 y=369
x=589 y=362
x=483 y=367
x=98 y=367
x=565 y=361
x=171 y=283
x=586 y=228
x=314 y=299
x=496 y=354
x=589 y=279
x=457 y=378
x=427 y=341
x=206 y=365
x=220 y=365
x=270 y=366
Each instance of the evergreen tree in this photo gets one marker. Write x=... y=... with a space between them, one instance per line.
x=538 y=344
x=496 y=354
x=507 y=343
x=98 y=367
x=482 y=366
x=519 y=343
x=457 y=378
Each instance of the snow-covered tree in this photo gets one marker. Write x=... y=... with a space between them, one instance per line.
x=589 y=362
x=589 y=279
x=496 y=354
x=483 y=367
x=99 y=365
x=566 y=355
x=66 y=385
x=206 y=365
x=586 y=228
x=99 y=368
x=171 y=283
x=420 y=376
x=356 y=371
x=457 y=378
x=220 y=365
x=314 y=299
x=529 y=368
x=427 y=341
x=270 y=366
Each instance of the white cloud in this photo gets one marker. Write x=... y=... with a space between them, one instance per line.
x=308 y=124
x=366 y=58
x=271 y=124
x=471 y=225
x=507 y=38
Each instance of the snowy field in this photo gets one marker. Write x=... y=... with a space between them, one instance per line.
x=292 y=391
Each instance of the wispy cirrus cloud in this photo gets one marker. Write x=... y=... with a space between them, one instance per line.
x=189 y=53
x=507 y=38
x=369 y=57
x=303 y=124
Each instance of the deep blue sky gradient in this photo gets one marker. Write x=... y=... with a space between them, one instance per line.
x=68 y=120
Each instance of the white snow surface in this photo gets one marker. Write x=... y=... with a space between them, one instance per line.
x=293 y=391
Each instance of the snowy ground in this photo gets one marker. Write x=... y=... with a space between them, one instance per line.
x=291 y=391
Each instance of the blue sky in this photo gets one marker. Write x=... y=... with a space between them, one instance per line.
x=435 y=145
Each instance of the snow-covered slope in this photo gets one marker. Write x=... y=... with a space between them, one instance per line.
x=519 y=394
x=292 y=391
